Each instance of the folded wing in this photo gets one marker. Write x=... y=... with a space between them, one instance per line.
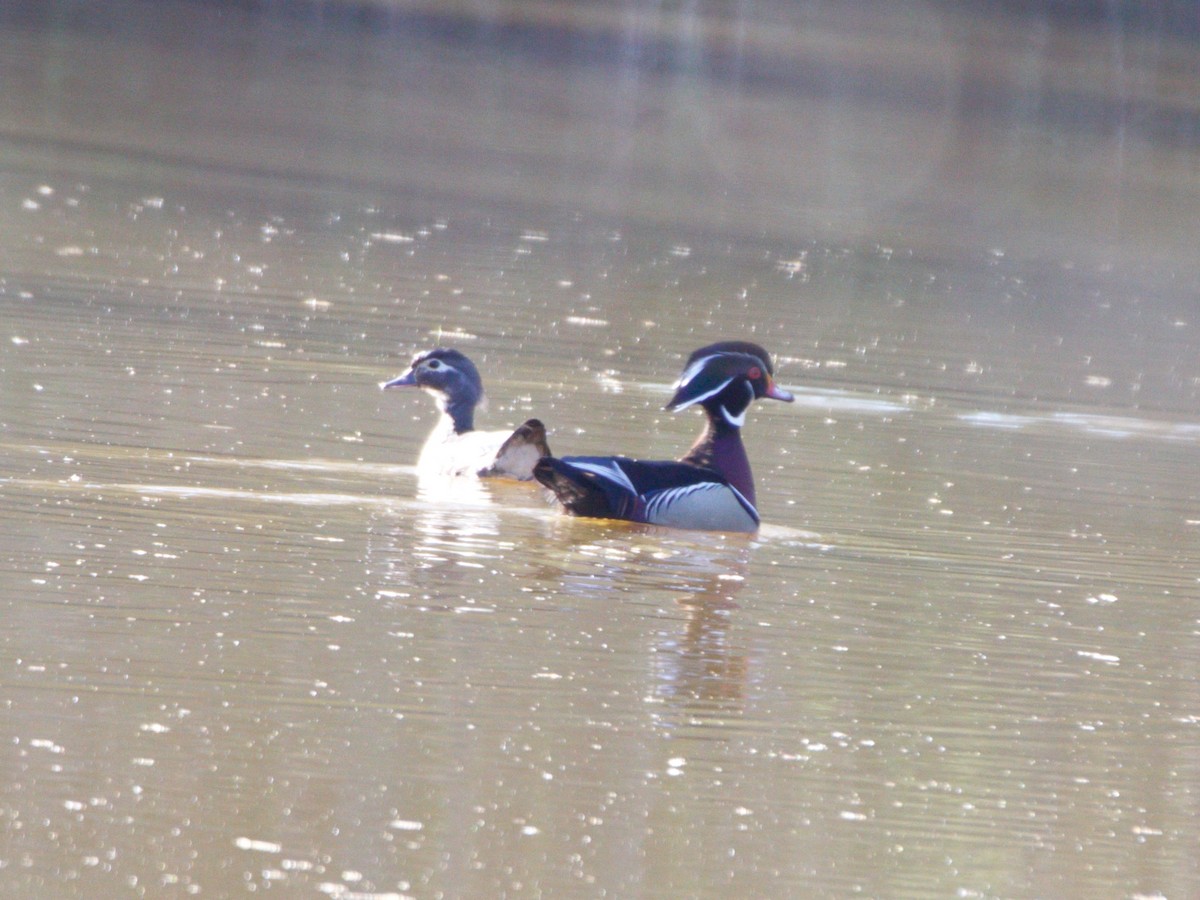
x=659 y=493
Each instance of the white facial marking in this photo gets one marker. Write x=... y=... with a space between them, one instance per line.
x=735 y=421
x=440 y=366
x=740 y=420
x=702 y=397
x=693 y=370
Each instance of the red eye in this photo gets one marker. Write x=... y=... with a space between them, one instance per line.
x=754 y=374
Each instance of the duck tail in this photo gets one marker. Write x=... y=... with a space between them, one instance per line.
x=579 y=491
x=520 y=452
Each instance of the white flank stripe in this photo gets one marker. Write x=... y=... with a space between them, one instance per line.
x=664 y=499
x=610 y=471
x=749 y=506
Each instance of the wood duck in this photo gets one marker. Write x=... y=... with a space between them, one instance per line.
x=711 y=487
x=454 y=447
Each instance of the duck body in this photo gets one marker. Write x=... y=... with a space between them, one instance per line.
x=675 y=494
x=712 y=486
x=455 y=447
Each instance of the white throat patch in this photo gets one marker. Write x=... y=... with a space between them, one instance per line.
x=735 y=421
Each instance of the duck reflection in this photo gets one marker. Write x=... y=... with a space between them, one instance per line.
x=698 y=668
x=465 y=546
x=436 y=550
x=702 y=672
x=456 y=518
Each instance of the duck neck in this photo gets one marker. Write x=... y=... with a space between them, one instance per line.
x=720 y=447
x=459 y=413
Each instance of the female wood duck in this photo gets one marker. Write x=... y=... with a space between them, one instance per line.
x=711 y=487
x=454 y=447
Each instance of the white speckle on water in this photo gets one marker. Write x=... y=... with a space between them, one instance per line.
x=453 y=334
x=608 y=383
x=406 y=824
x=245 y=843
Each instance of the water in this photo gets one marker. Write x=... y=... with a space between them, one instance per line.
x=246 y=648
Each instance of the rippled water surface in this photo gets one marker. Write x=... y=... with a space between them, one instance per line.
x=246 y=648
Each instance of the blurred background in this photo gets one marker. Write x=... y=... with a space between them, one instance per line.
x=1059 y=131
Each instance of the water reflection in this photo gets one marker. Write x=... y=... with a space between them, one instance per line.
x=969 y=230
x=687 y=588
x=701 y=674
x=441 y=542
x=452 y=519
x=1096 y=424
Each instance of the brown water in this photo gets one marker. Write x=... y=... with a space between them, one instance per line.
x=244 y=649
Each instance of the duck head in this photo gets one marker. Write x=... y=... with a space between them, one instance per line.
x=450 y=378
x=725 y=378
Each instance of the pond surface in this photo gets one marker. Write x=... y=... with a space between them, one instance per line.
x=246 y=648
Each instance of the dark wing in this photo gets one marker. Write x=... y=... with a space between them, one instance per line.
x=661 y=493
x=593 y=486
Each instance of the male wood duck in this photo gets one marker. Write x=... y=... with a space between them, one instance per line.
x=454 y=447
x=711 y=487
